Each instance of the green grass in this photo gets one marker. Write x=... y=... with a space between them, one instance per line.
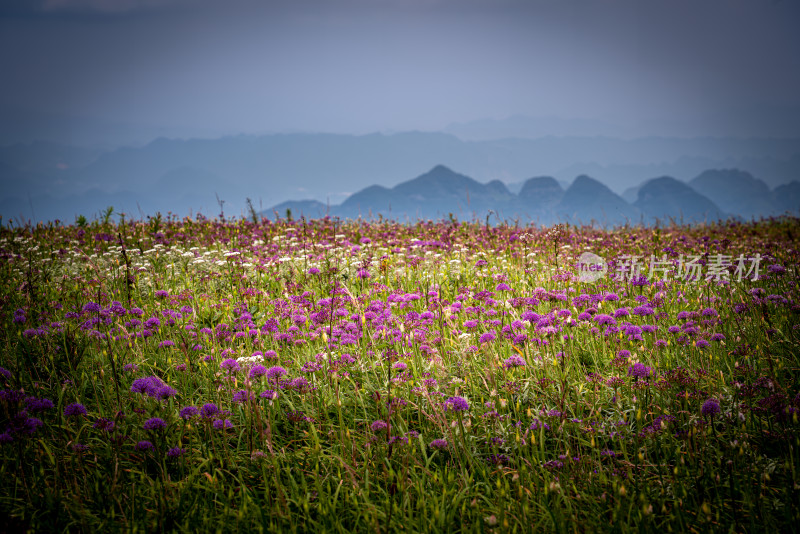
x=571 y=441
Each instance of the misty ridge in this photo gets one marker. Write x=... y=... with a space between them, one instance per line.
x=443 y=193
x=578 y=179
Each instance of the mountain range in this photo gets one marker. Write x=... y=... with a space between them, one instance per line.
x=46 y=180
x=443 y=193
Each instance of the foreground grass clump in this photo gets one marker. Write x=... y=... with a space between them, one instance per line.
x=205 y=374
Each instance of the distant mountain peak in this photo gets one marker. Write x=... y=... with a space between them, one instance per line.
x=541 y=192
x=663 y=182
x=584 y=183
x=667 y=198
x=727 y=174
x=587 y=199
x=441 y=171
x=735 y=191
x=437 y=178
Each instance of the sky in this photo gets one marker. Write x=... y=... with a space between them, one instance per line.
x=222 y=67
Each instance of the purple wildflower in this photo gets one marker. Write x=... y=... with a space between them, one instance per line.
x=209 y=410
x=710 y=407
x=553 y=464
x=639 y=370
x=230 y=365
x=430 y=383
x=242 y=396
x=223 y=424
x=144 y=446
x=19 y=316
x=275 y=372
x=300 y=384
x=400 y=366
x=12 y=396
x=456 y=404
x=165 y=392
x=21 y=424
x=438 y=444
x=602 y=318
x=155 y=423
x=175 y=452
x=537 y=424
x=91 y=307
x=38 y=405
x=74 y=410
x=486 y=338
x=378 y=426
x=258 y=371
x=188 y=412
x=152 y=386
x=498 y=459
x=514 y=361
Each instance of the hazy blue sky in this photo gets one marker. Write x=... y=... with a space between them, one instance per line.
x=207 y=67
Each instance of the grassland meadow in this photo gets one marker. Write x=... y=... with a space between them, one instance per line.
x=241 y=375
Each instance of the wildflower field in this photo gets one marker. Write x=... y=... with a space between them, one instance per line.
x=293 y=376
